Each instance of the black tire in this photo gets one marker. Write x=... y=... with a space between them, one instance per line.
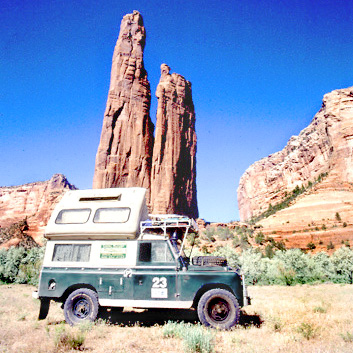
x=218 y=308
x=82 y=304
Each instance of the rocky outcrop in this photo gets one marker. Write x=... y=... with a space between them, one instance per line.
x=16 y=235
x=173 y=180
x=124 y=156
x=125 y=150
x=34 y=201
x=325 y=146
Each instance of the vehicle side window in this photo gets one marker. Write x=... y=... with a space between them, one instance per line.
x=161 y=252
x=155 y=252
x=72 y=252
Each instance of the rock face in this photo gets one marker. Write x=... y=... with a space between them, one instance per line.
x=325 y=146
x=35 y=201
x=124 y=157
x=125 y=150
x=173 y=181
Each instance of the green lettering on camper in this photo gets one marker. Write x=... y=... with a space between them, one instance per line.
x=113 y=251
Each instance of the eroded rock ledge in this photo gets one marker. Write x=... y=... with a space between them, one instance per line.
x=325 y=146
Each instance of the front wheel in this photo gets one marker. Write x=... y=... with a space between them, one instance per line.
x=218 y=308
x=82 y=304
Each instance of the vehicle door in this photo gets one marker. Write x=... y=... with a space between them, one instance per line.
x=156 y=271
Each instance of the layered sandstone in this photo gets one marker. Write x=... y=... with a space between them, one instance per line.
x=34 y=201
x=124 y=154
x=173 y=180
x=325 y=146
x=322 y=216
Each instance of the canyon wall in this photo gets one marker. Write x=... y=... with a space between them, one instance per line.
x=173 y=180
x=325 y=146
x=35 y=201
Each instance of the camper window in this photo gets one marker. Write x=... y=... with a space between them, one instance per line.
x=74 y=216
x=155 y=252
x=112 y=215
x=72 y=252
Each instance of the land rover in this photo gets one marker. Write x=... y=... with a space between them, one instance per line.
x=104 y=250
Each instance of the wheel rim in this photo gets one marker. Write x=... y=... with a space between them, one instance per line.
x=218 y=309
x=81 y=308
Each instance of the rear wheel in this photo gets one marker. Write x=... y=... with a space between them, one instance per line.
x=80 y=305
x=218 y=308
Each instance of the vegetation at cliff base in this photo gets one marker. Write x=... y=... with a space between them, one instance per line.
x=287 y=200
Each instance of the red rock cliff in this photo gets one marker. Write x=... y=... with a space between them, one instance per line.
x=125 y=150
x=35 y=201
x=173 y=188
x=326 y=145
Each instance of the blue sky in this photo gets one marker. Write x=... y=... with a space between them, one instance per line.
x=259 y=70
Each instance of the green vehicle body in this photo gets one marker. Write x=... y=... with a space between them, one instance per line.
x=122 y=285
x=143 y=266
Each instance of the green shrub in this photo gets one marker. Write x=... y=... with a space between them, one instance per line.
x=307 y=330
x=209 y=234
x=20 y=265
x=320 y=309
x=68 y=340
x=224 y=233
x=193 y=239
x=230 y=254
x=323 y=269
x=330 y=246
x=276 y=324
x=347 y=337
x=173 y=329
x=199 y=340
x=342 y=260
x=259 y=238
x=252 y=266
x=269 y=252
x=311 y=246
x=196 y=338
x=236 y=241
x=244 y=242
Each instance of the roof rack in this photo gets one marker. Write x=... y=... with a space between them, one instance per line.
x=167 y=221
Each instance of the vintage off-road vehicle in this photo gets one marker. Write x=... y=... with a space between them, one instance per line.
x=105 y=250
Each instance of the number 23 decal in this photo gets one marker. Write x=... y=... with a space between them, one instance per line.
x=159 y=282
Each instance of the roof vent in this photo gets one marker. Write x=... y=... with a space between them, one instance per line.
x=100 y=198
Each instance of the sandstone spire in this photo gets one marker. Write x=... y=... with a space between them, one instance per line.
x=125 y=150
x=173 y=180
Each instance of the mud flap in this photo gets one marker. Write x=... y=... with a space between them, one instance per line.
x=44 y=308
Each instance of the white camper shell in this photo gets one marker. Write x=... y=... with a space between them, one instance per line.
x=98 y=214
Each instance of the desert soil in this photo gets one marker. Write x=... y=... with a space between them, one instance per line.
x=307 y=318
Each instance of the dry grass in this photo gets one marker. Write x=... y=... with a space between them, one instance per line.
x=281 y=319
